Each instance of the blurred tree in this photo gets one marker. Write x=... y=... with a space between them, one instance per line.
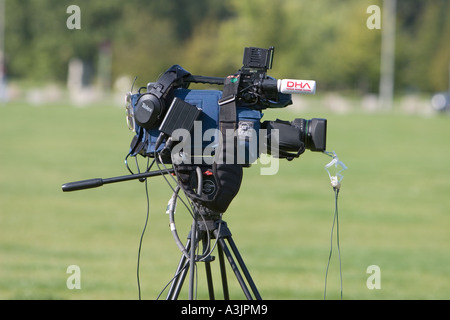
x=38 y=43
x=326 y=40
x=424 y=46
x=153 y=36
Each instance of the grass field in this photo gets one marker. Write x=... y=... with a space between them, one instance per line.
x=393 y=209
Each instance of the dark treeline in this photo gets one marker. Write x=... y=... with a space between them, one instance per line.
x=326 y=40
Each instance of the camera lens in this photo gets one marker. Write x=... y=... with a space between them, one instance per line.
x=148 y=111
x=313 y=133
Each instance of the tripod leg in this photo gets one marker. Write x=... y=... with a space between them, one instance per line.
x=179 y=277
x=222 y=233
x=223 y=272
x=235 y=268
x=192 y=259
x=244 y=268
x=208 y=270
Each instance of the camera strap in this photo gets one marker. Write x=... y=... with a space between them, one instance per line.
x=166 y=81
x=228 y=117
x=221 y=180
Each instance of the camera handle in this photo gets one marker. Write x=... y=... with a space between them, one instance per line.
x=98 y=182
x=204 y=80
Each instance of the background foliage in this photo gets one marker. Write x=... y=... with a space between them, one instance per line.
x=326 y=40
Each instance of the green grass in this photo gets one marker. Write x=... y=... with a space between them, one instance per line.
x=393 y=204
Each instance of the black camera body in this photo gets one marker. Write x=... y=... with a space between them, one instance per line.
x=254 y=80
x=245 y=94
x=210 y=135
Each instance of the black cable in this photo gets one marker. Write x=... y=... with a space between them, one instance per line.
x=126 y=163
x=142 y=237
x=190 y=208
x=173 y=278
x=193 y=206
x=335 y=221
x=144 y=229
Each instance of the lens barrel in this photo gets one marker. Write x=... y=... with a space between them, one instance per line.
x=313 y=133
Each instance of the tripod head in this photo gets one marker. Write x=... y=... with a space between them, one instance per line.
x=213 y=186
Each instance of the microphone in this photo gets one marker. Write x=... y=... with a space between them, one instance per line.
x=296 y=86
x=290 y=86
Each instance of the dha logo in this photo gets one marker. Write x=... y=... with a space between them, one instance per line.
x=300 y=86
x=297 y=85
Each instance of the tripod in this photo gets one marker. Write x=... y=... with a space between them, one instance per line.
x=204 y=229
x=206 y=226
